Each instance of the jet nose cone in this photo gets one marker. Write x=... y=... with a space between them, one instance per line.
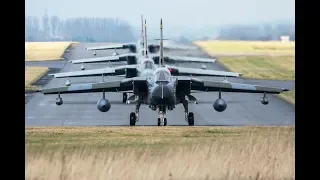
x=162 y=94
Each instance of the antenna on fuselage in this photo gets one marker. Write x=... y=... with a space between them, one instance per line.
x=142 y=35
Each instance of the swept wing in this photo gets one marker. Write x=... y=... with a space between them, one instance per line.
x=196 y=84
x=103 y=59
x=119 y=70
x=110 y=86
x=181 y=71
x=183 y=59
x=113 y=46
x=207 y=86
x=189 y=59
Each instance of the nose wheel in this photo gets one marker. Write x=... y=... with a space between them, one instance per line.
x=162 y=121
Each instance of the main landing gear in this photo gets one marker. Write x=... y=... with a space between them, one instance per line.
x=124 y=97
x=189 y=117
x=134 y=116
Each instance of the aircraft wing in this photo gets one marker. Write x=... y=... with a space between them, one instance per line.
x=181 y=71
x=110 y=86
x=188 y=59
x=103 y=59
x=119 y=70
x=113 y=46
x=223 y=86
x=176 y=46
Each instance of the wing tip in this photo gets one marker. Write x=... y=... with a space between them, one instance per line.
x=284 y=89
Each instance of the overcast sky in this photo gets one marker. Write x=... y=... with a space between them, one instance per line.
x=174 y=12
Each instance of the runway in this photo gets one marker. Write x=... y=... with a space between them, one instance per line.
x=80 y=109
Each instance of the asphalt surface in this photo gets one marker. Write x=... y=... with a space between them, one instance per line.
x=80 y=109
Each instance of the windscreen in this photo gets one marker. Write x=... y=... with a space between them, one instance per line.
x=148 y=65
x=162 y=76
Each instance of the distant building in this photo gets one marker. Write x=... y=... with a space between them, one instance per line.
x=285 y=38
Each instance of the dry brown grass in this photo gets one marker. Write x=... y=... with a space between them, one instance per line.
x=32 y=74
x=262 y=67
x=41 y=51
x=262 y=60
x=289 y=96
x=160 y=153
x=247 y=47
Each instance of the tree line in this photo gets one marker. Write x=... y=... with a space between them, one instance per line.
x=81 y=29
x=263 y=32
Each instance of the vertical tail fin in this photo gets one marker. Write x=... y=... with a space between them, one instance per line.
x=142 y=35
x=161 y=60
x=145 y=38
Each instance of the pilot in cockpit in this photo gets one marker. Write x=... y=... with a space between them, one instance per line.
x=162 y=76
x=142 y=52
x=148 y=64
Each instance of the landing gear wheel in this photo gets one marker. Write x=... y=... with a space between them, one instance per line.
x=159 y=123
x=190 y=119
x=124 y=97
x=165 y=122
x=132 y=119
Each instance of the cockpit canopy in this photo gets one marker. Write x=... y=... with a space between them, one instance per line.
x=142 y=52
x=148 y=64
x=162 y=76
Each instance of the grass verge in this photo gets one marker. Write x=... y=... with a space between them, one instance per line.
x=160 y=153
x=247 y=47
x=262 y=67
x=32 y=74
x=41 y=51
x=289 y=96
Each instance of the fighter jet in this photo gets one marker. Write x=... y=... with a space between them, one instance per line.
x=132 y=46
x=136 y=46
x=133 y=58
x=145 y=68
x=162 y=91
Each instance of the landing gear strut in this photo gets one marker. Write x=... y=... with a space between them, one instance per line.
x=264 y=99
x=162 y=119
x=134 y=116
x=94 y=52
x=189 y=117
x=124 y=97
x=59 y=100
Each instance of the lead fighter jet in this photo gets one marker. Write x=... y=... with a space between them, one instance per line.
x=162 y=91
x=134 y=58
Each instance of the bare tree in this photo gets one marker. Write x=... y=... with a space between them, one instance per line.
x=82 y=29
x=45 y=25
x=54 y=23
x=32 y=28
